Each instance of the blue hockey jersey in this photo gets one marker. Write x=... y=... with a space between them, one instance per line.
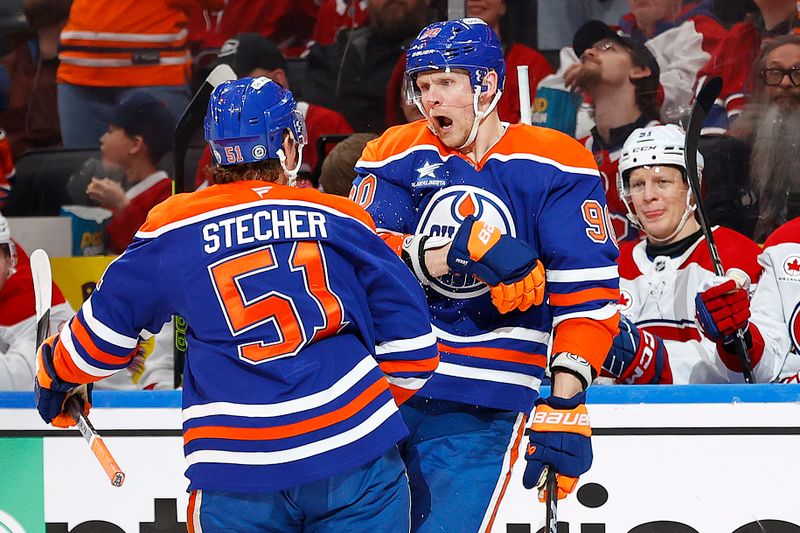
x=305 y=331
x=534 y=184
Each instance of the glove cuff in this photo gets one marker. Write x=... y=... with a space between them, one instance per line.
x=574 y=364
x=413 y=254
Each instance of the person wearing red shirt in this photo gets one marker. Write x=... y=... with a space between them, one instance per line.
x=139 y=134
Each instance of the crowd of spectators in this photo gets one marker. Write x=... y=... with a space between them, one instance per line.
x=114 y=76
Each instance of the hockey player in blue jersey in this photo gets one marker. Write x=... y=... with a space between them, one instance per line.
x=506 y=228
x=306 y=333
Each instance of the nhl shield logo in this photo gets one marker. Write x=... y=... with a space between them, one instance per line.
x=791 y=266
x=443 y=216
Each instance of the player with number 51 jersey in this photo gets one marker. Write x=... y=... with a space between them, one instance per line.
x=305 y=334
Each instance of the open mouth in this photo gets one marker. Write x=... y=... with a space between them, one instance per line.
x=444 y=123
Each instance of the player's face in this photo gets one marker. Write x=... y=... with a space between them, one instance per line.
x=116 y=145
x=785 y=93
x=447 y=99
x=490 y=11
x=658 y=194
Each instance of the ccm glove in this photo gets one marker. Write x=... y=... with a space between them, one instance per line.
x=637 y=357
x=509 y=266
x=722 y=307
x=560 y=439
x=51 y=393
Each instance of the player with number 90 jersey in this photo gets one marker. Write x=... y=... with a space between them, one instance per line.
x=534 y=184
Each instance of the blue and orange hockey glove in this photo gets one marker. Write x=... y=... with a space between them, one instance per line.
x=51 y=393
x=509 y=266
x=561 y=439
x=637 y=357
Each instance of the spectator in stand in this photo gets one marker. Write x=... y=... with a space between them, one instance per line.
x=338 y=170
x=558 y=19
x=682 y=35
x=289 y=23
x=18 y=315
x=620 y=77
x=733 y=58
x=770 y=126
x=251 y=55
x=139 y=135
x=352 y=74
x=110 y=48
x=30 y=120
x=662 y=275
x=337 y=15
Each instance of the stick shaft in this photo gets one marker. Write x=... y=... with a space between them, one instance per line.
x=551 y=486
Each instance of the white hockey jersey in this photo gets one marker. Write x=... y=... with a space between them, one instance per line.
x=775 y=306
x=658 y=295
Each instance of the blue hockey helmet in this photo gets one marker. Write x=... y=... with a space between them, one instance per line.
x=246 y=119
x=468 y=44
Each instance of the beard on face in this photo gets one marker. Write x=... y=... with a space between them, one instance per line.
x=773 y=164
x=589 y=76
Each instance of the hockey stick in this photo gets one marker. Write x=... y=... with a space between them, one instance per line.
x=190 y=122
x=551 y=486
x=703 y=102
x=523 y=85
x=43 y=292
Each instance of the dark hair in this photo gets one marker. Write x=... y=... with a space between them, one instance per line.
x=267 y=170
x=647 y=87
x=44 y=13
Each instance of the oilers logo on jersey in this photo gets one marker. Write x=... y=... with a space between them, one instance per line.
x=444 y=214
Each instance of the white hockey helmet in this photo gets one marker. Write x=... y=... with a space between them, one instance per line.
x=5 y=238
x=654 y=146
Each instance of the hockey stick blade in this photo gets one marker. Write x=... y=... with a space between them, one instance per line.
x=703 y=102
x=43 y=294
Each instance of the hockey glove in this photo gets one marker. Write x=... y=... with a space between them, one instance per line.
x=637 y=357
x=51 y=393
x=413 y=254
x=560 y=439
x=722 y=307
x=508 y=265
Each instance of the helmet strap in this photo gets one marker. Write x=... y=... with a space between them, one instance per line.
x=690 y=209
x=291 y=174
x=479 y=115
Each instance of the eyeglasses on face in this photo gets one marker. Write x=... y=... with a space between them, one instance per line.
x=774 y=76
x=603 y=45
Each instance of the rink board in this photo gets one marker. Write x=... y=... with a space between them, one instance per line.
x=705 y=459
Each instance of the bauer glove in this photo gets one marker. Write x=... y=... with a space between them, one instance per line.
x=51 y=393
x=509 y=266
x=560 y=439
